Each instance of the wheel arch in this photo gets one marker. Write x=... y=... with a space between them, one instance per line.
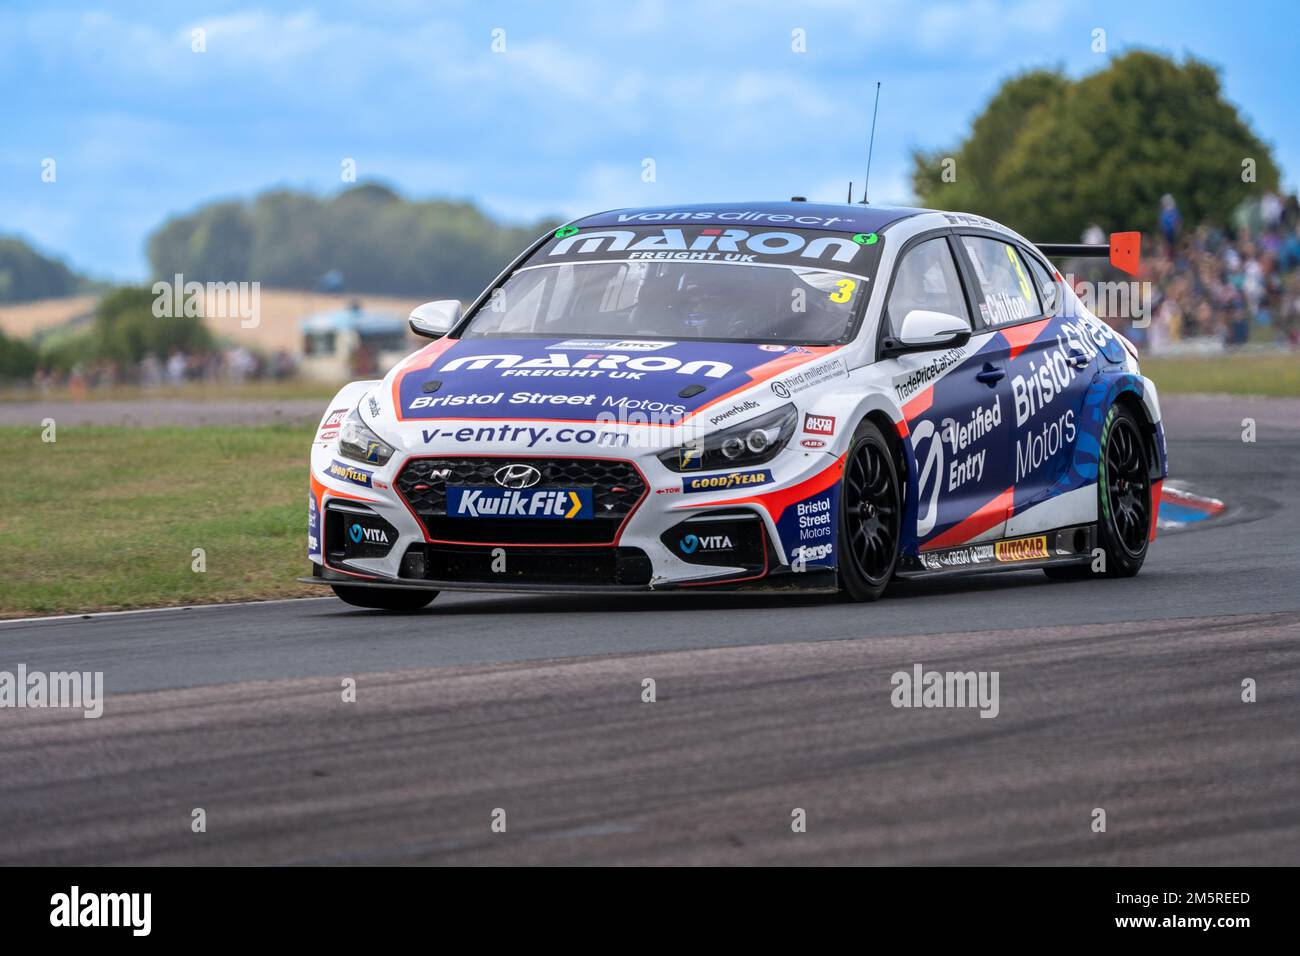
x=893 y=439
x=1131 y=397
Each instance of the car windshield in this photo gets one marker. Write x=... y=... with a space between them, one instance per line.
x=727 y=285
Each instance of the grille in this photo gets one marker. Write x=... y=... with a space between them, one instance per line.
x=570 y=566
x=616 y=489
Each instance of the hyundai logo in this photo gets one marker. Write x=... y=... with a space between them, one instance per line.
x=517 y=476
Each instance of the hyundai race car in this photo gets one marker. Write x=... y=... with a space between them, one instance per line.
x=764 y=395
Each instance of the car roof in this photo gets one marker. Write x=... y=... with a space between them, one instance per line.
x=833 y=217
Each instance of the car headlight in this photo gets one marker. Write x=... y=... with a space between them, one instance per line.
x=749 y=443
x=358 y=442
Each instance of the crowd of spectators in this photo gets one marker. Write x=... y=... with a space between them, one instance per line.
x=216 y=366
x=1217 y=287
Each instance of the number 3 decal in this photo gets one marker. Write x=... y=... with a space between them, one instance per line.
x=845 y=289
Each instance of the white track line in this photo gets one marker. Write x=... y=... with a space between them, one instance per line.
x=155 y=610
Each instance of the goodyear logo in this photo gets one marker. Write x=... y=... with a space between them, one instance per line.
x=733 y=479
x=345 y=472
x=555 y=503
x=1021 y=549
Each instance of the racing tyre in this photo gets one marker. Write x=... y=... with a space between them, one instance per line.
x=1125 y=504
x=384 y=599
x=870 y=516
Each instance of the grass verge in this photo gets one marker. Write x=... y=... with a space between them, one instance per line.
x=109 y=517
x=288 y=390
x=1276 y=375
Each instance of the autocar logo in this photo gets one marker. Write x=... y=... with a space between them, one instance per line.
x=517 y=476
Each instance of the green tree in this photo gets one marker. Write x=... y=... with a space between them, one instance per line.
x=380 y=242
x=971 y=184
x=125 y=328
x=17 y=358
x=25 y=274
x=1049 y=156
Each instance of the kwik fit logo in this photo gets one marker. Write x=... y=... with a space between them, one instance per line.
x=511 y=503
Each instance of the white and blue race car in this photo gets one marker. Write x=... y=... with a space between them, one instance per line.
x=768 y=395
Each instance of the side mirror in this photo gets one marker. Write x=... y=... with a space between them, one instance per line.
x=923 y=331
x=435 y=319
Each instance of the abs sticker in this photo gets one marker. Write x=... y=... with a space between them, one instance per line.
x=1021 y=549
x=357 y=476
x=733 y=479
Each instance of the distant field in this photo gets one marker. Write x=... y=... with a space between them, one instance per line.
x=108 y=517
x=277 y=328
x=265 y=391
x=23 y=319
x=1272 y=375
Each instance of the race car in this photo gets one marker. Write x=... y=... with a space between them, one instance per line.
x=792 y=395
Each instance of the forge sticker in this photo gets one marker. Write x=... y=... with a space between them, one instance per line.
x=1022 y=549
x=807 y=530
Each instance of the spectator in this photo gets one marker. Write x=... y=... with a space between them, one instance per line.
x=1171 y=220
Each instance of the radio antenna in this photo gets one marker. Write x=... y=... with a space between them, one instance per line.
x=871 y=148
x=850 y=190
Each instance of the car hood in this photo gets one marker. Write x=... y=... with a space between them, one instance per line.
x=588 y=379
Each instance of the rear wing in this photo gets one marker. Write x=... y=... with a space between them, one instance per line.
x=1124 y=250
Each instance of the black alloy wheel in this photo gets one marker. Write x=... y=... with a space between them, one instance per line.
x=870 y=516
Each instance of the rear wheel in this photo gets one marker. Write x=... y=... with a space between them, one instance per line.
x=870 y=516
x=384 y=599
x=1125 y=506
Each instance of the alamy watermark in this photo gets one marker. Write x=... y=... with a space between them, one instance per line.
x=214 y=300
x=71 y=689
x=922 y=688
x=1129 y=299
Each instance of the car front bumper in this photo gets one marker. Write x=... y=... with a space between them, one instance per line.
x=766 y=526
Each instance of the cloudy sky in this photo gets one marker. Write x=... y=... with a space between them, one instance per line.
x=561 y=120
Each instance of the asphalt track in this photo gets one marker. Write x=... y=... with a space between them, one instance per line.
x=1121 y=695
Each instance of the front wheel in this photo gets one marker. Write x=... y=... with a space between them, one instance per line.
x=870 y=516
x=1124 y=500
x=384 y=599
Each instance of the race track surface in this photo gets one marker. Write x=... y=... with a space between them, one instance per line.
x=1121 y=695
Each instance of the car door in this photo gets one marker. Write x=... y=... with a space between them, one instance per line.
x=955 y=402
x=1048 y=375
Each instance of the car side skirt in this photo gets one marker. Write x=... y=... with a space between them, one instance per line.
x=1069 y=545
